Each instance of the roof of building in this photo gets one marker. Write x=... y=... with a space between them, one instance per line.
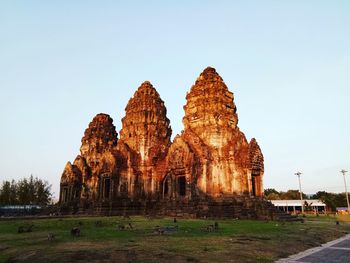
x=312 y=202
x=19 y=207
x=342 y=208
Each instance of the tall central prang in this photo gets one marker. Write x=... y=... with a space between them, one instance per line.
x=210 y=111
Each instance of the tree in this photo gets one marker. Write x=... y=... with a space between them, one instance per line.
x=31 y=189
x=340 y=200
x=332 y=200
x=42 y=192
x=291 y=195
x=13 y=193
x=5 y=193
x=25 y=192
x=327 y=198
x=271 y=194
x=270 y=191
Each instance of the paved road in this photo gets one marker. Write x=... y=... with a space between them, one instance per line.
x=337 y=251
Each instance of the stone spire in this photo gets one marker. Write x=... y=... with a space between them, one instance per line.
x=100 y=136
x=210 y=111
x=256 y=158
x=71 y=174
x=146 y=128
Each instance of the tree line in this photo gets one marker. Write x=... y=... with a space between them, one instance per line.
x=332 y=200
x=32 y=191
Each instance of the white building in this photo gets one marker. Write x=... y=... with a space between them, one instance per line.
x=294 y=206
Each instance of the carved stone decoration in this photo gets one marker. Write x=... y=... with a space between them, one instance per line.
x=70 y=183
x=256 y=167
x=181 y=174
x=84 y=170
x=71 y=174
x=209 y=164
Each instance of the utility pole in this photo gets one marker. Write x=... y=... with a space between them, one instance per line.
x=301 y=195
x=346 y=189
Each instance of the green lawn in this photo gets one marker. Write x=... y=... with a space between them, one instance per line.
x=187 y=240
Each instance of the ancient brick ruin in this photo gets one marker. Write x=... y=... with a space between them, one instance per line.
x=209 y=169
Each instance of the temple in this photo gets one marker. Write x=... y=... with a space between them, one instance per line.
x=209 y=169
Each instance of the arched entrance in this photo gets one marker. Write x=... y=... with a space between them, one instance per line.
x=167 y=186
x=105 y=187
x=256 y=183
x=174 y=186
x=181 y=186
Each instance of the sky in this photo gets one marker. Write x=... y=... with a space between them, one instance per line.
x=287 y=63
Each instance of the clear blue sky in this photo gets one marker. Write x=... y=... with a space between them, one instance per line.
x=287 y=62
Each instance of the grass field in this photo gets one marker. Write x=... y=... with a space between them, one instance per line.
x=187 y=240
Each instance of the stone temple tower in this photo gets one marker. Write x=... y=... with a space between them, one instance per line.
x=146 y=130
x=210 y=111
x=211 y=131
x=207 y=170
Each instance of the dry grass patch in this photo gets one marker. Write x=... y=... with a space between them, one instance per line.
x=234 y=241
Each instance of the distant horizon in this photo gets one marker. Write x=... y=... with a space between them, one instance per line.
x=287 y=64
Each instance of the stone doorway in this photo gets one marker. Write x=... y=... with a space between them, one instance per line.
x=256 y=184
x=65 y=197
x=106 y=188
x=167 y=186
x=174 y=186
x=181 y=183
x=253 y=186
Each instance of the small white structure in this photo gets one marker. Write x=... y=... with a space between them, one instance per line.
x=342 y=210
x=296 y=205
